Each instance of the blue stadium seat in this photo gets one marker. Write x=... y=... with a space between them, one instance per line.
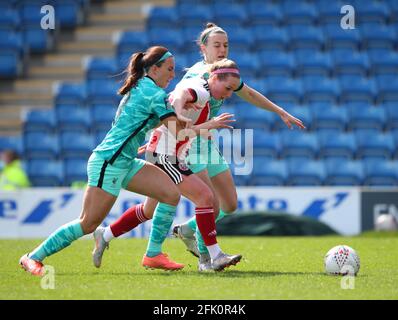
x=102 y=116
x=12 y=142
x=30 y=12
x=366 y=117
x=308 y=37
x=377 y=145
x=70 y=13
x=103 y=91
x=372 y=11
x=378 y=36
x=70 y=93
x=38 y=40
x=12 y=54
x=100 y=68
x=338 y=144
x=48 y=148
x=239 y=39
x=336 y=37
x=387 y=88
x=76 y=145
x=394 y=134
x=9 y=20
x=250 y=117
x=350 y=62
x=189 y=17
x=296 y=143
x=383 y=61
x=317 y=89
x=296 y=12
x=162 y=17
x=233 y=14
x=266 y=144
x=344 y=173
x=45 y=173
x=381 y=173
x=40 y=120
x=306 y=173
x=190 y=36
x=329 y=11
x=268 y=172
x=248 y=63
x=171 y=38
x=262 y=14
x=357 y=89
x=75 y=170
x=129 y=42
x=392 y=115
x=329 y=117
x=73 y=118
x=273 y=62
x=270 y=37
x=313 y=63
x=284 y=90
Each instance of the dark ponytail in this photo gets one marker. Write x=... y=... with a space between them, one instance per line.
x=139 y=64
x=135 y=71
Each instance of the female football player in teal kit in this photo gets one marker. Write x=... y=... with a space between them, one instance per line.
x=113 y=164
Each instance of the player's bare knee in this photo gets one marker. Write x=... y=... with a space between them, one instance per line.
x=206 y=199
x=230 y=207
x=171 y=197
x=89 y=226
x=175 y=198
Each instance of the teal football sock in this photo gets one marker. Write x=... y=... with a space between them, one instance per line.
x=199 y=239
x=161 y=223
x=58 y=240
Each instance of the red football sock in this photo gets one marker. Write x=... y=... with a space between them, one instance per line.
x=131 y=218
x=206 y=222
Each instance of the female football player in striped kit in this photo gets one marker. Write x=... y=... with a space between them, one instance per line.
x=213 y=44
x=168 y=153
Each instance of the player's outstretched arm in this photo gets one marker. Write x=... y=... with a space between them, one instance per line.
x=256 y=98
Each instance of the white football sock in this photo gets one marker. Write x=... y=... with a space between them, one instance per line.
x=214 y=250
x=108 y=235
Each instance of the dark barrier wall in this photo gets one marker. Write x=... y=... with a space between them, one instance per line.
x=375 y=203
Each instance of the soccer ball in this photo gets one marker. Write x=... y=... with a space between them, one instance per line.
x=342 y=260
x=386 y=222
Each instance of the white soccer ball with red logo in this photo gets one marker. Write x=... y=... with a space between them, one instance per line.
x=342 y=260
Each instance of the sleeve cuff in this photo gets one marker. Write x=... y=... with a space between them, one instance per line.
x=240 y=87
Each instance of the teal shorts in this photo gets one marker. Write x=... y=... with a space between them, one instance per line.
x=206 y=155
x=108 y=177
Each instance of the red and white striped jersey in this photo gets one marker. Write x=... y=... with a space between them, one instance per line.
x=162 y=140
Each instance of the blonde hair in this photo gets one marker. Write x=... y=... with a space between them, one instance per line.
x=224 y=64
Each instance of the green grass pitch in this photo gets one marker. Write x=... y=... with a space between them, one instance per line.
x=272 y=268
